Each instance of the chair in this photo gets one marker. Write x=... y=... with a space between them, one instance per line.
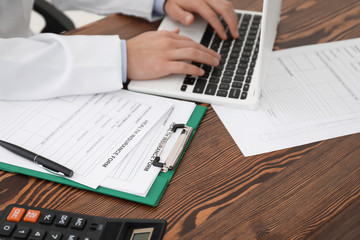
x=56 y=21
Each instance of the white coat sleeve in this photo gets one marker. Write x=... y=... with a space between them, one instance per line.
x=50 y=65
x=138 y=8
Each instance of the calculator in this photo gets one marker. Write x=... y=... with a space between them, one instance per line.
x=34 y=223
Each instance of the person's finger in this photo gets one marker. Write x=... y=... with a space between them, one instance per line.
x=226 y=10
x=211 y=16
x=171 y=40
x=175 y=34
x=179 y=67
x=181 y=44
x=179 y=14
x=176 y=30
x=195 y=55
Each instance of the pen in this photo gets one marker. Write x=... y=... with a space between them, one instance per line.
x=46 y=163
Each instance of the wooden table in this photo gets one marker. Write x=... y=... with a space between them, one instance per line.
x=310 y=191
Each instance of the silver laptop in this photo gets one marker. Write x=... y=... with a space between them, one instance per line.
x=237 y=81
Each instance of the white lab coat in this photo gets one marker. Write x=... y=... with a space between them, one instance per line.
x=50 y=65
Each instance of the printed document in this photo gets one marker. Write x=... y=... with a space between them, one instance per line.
x=311 y=93
x=136 y=173
x=89 y=134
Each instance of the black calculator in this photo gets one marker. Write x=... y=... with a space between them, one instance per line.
x=33 y=223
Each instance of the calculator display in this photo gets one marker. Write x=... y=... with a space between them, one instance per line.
x=142 y=234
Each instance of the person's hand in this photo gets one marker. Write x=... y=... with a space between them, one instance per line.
x=159 y=53
x=181 y=10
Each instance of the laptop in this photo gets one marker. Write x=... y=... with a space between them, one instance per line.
x=237 y=81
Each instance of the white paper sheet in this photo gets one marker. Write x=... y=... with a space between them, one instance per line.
x=136 y=174
x=311 y=93
x=89 y=134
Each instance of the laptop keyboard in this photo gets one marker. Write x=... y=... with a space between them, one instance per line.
x=232 y=78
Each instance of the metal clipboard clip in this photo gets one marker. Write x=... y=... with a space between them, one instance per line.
x=177 y=150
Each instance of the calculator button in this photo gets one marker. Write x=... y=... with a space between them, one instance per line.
x=37 y=234
x=78 y=223
x=6 y=229
x=16 y=214
x=32 y=216
x=53 y=236
x=96 y=227
x=63 y=220
x=71 y=237
x=21 y=232
x=47 y=218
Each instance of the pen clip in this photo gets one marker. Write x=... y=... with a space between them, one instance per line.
x=60 y=174
x=174 y=156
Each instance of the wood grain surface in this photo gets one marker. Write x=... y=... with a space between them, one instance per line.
x=305 y=192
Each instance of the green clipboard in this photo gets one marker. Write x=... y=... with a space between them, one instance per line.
x=156 y=191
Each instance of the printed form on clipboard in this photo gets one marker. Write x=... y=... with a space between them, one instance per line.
x=163 y=144
x=107 y=139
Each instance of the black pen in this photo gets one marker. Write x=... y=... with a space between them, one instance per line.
x=46 y=163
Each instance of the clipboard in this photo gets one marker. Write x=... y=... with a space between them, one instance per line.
x=157 y=189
